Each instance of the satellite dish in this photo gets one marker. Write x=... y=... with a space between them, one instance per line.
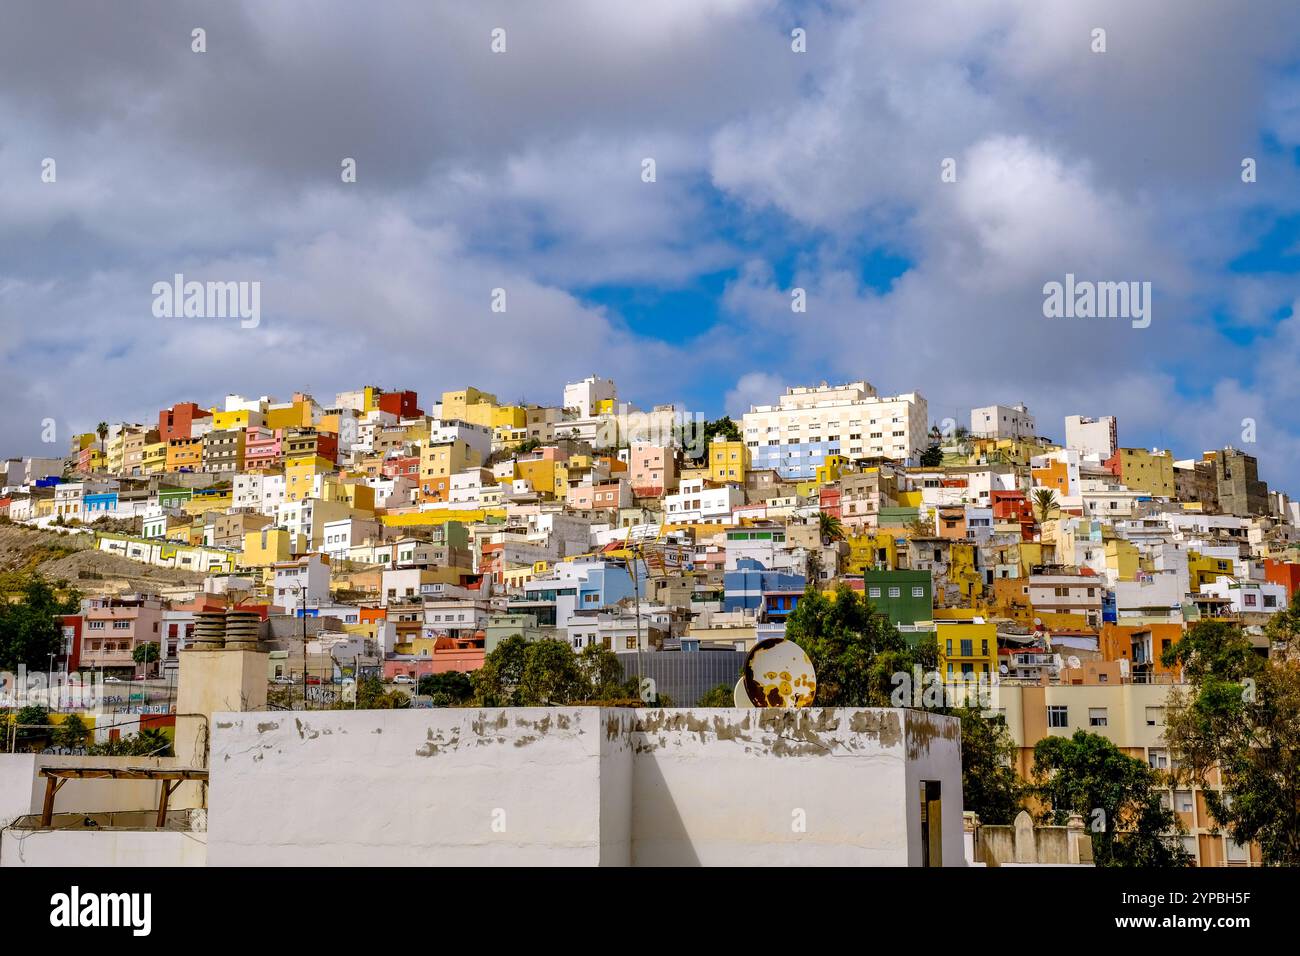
x=1073 y=662
x=739 y=696
x=777 y=673
x=1003 y=669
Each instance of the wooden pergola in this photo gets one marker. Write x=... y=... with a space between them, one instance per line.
x=56 y=777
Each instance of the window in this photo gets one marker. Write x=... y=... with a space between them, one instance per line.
x=918 y=592
x=1158 y=758
x=873 y=592
x=1155 y=716
x=1058 y=716
x=1183 y=801
x=1097 y=717
x=967 y=648
x=895 y=592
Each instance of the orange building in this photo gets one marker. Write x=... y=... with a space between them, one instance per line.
x=1142 y=645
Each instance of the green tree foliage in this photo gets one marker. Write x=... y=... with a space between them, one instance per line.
x=723 y=695
x=30 y=630
x=521 y=673
x=932 y=457
x=722 y=429
x=1241 y=715
x=448 y=689
x=854 y=649
x=145 y=654
x=72 y=733
x=149 y=742
x=829 y=527
x=989 y=784
x=1117 y=796
x=1044 y=503
x=371 y=695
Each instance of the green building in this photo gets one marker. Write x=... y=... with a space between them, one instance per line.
x=904 y=597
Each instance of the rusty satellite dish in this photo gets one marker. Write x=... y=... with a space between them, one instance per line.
x=777 y=673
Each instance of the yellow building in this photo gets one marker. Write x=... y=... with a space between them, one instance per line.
x=154 y=460
x=548 y=477
x=870 y=551
x=270 y=546
x=728 y=461
x=439 y=462
x=965 y=646
x=355 y=494
x=1151 y=472
x=1123 y=558
x=1202 y=569
x=830 y=470
x=300 y=475
x=290 y=415
x=226 y=421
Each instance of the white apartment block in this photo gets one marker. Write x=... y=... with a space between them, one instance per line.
x=583 y=397
x=695 y=504
x=262 y=493
x=1002 y=421
x=1092 y=436
x=809 y=423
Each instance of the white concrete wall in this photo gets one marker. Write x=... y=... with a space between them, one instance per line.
x=581 y=786
x=407 y=787
x=81 y=848
x=22 y=789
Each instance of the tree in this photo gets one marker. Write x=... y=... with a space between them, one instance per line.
x=496 y=683
x=145 y=654
x=1241 y=715
x=723 y=695
x=932 y=457
x=989 y=785
x=32 y=731
x=604 y=675
x=72 y=733
x=1044 y=503
x=854 y=649
x=551 y=675
x=30 y=629
x=1117 y=796
x=723 y=428
x=102 y=431
x=829 y=527
x=454 y=687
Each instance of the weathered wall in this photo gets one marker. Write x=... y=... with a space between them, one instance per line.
x=22 y=789
x=580 y=786
x=789 y=787
x=413 y=787
x=78 y=848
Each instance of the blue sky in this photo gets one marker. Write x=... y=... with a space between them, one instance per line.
x=775 y=169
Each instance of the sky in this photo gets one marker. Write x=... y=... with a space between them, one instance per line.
x=775 y=170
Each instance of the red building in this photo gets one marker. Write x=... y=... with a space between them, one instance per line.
x=404 y=404
x=177 y=421
x=1283 y=573
x=829 y=500
x=407 y=466
x=71 y=641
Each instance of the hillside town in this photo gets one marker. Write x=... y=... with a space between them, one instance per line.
x=382 y=534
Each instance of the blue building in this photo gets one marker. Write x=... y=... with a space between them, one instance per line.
x=744 y=588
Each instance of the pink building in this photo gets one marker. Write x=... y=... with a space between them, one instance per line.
x=263 y=448
x=112 y=628
x=653 y=470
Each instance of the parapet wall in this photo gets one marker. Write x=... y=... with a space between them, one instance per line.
x=580 y=786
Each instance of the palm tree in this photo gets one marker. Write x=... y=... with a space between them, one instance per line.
x=102 y=431
x=1044 y=503
x=829 y=527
